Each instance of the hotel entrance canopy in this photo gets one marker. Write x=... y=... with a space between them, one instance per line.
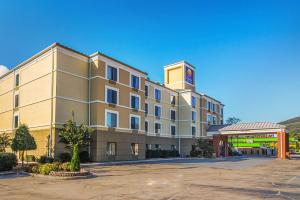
x=220 y=135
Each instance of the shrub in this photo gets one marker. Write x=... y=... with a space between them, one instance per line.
x=196 y=153
x=65 y=157
x=7 y=161
x=161 y=153
x=45 y=169
x=65 y=166
x=30 y=158
x=35 y=169
x=84 y=156
x=45 y=159
x=75 y=162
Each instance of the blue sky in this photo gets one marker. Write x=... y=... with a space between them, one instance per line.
x=247 y=53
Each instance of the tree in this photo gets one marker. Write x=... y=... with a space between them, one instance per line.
x=75 y=137
x=203 y=147
x=23 y=141
x=232 y=120
x=5 y=142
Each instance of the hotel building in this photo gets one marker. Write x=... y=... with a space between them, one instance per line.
x=128 y=112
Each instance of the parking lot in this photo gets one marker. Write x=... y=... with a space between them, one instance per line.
x=232 y=178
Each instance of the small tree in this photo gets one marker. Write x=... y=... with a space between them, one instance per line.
x=203 y=147
x=23 y=141
x=5 y=142
x=75 y=137
x=232 y=120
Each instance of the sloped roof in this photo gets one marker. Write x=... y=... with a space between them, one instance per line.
x=245 y=126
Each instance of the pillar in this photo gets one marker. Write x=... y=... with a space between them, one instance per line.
x=225 y=140
x=216 y=144
x=283 y=144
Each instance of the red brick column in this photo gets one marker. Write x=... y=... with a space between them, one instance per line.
x=283 y=144
x=225 y=140
x=216 y=144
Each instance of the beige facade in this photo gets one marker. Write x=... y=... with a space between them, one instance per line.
x=107 y=95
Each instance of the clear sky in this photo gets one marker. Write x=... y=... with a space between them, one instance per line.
x=247 y=53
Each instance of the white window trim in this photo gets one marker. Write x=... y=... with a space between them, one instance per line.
x=106 y=70
x=15 y=78
x=192 y=130
x=145 y=89
x=16 y=93
x=16 y=115
x=157 y=122
x=171 y=114
x=154 y=110
x=111 y=111
x=171 y=95
x=135 y=95
x=195 y=115
x=138 y=116
x=171 y=129
x=160 y=94
x=195 y=100
x=145 y=126
x=145 y=108
x=111 y=88
x=214 y=107
x=131 y=80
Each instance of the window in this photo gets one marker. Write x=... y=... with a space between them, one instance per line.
x=173 y=147
x=146 y=126
x=111 y=96
x=157 y=128
x=17 y=80
x=194 y=101
x=173 y=115
x=135 y=101
x=222 y=112
x=16 y=121
x=134 y=122
x=112 y=73
x=214 y=120
x=146 y=90
x=135 y=149
x=111 y=148
x=111 y=119
x=146 y=108
x=135 y=82
x=193 y=131
x=173 y=100
x=157 y=146
x=214 y=107
x=194 y=116
x=211 y=120
x=16 y=101
x=157 y=111
x=148 y=146
x=208 y=106
x=157 y=94
x=173 y=130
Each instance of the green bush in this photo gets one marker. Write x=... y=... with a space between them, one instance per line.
x=65 y=157
x=45 y=159
x=196 y=153
x=161 y=153
x=65 y=166
x=7 y=161
x=75 y=162
x=84 y=156
x=35 y=169
x=30 y=158
x=45 y=169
